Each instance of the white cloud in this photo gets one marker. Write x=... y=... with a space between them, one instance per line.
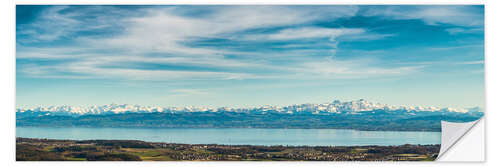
x=165 y=31
x=455 y=47
x=355 y=68
x=185 y=92
x=431 y=14
x=52 y=21
x=308 y=32
x=454 y=31
x=57 y=22
x=471 y=62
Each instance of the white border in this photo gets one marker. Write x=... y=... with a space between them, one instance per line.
x=7 y=84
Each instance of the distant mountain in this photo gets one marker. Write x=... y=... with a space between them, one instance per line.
x=353 y=107
x=359 y=114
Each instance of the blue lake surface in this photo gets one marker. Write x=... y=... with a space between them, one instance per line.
x=238 y=136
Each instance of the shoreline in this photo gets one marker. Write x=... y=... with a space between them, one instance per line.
x=90 y=127
x=235 y=145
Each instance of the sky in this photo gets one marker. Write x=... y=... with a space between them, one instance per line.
x=242 y=56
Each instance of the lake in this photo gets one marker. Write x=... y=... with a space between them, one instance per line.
x=238 y=136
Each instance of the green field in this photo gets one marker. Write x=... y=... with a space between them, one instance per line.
x=128 y=150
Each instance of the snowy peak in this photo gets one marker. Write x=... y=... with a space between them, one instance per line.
x=334 y=107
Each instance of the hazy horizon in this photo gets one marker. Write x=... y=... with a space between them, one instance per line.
x=236 y=106
x=242 y=56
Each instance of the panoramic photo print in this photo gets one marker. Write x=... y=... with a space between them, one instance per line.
x=244 y=82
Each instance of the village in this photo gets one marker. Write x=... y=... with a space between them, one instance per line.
x=110 y=150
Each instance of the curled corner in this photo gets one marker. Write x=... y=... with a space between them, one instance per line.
x=451 y=132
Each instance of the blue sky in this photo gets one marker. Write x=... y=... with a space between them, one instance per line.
x=244 y=56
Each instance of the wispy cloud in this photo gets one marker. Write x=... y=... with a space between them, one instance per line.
x=188 y=92
x=57 y=22
x=471 y=62
x=108 y=41
x=432 y=14
x=455 y=47
x=454 y=31
x=354 y=68
x=307 y=32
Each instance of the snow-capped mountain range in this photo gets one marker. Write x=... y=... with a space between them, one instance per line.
x=336 y=106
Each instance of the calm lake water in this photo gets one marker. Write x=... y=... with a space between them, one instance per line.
x=237 y=136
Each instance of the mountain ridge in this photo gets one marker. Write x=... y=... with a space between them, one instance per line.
x=359 y=114
x=335 y=106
